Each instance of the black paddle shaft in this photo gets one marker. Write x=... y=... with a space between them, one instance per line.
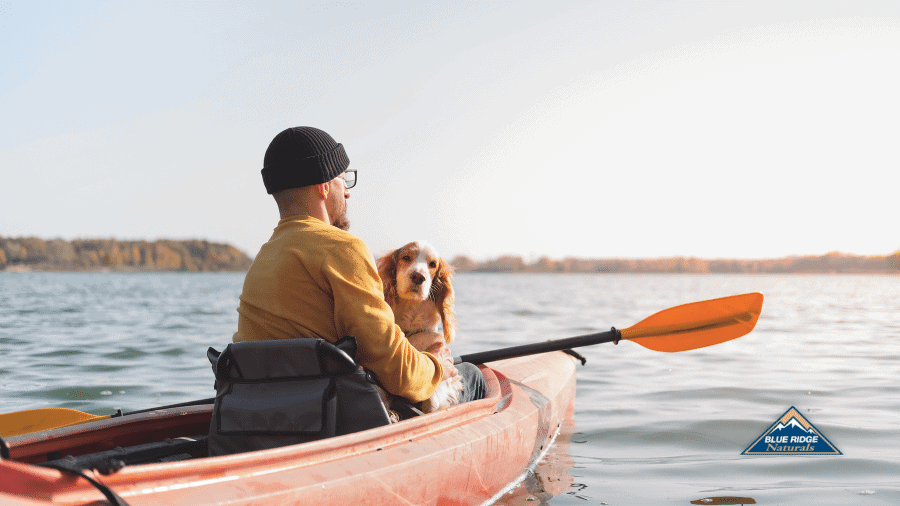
x=170 y=406
x=535 y=348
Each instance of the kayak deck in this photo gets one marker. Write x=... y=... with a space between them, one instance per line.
x=466 y=454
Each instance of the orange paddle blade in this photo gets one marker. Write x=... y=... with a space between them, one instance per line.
x=36 y=420
x=698 y=324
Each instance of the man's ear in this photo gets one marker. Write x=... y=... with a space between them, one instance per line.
x=323 y=190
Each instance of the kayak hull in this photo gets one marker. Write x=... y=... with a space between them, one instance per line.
x=467 y=454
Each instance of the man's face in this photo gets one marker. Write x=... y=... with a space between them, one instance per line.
x=337 y=203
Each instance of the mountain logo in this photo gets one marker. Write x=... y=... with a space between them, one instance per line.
x=792 y=435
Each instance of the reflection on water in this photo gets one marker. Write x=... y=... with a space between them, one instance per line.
x=716 y=501
x=550 y=478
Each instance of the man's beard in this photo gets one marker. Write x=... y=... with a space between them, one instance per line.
x=341 y=222
x=339 y=216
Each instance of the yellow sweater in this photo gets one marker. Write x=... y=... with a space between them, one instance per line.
x=314 y=280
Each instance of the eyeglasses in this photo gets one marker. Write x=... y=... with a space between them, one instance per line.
x=349 y=178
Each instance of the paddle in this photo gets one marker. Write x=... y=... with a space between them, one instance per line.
x=681 y=328
x=37 y=420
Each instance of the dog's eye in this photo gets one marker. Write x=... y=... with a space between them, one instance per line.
x=432 y=264
x=406 y=258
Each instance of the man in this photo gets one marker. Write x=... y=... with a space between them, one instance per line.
x=315 y=279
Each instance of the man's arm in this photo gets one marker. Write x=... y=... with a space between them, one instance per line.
x=360 y=311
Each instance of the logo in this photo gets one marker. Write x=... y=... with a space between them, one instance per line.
x=792 y=435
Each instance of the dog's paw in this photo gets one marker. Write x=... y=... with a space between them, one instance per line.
x=457 y=384
x=445 y=395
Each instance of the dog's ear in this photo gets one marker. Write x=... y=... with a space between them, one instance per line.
x=387 y=271
x=442 y=295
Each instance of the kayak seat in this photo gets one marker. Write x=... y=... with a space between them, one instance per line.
x=289 y=391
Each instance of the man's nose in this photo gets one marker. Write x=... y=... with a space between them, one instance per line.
x=417 y=278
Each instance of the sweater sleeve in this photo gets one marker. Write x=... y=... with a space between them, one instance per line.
x=360 y=311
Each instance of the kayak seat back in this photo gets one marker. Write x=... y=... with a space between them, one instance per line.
x=289 y=391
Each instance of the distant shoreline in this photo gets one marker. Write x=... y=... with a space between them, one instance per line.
x=831 y=263
x=30 y=254
x=26 y=254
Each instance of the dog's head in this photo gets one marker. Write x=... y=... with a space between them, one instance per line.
x=416 y=272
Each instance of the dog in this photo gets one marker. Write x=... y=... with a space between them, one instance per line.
x=418 y=288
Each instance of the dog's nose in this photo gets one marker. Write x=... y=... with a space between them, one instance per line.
x=417 y=278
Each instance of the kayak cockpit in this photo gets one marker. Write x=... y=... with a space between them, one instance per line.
x=178 y=434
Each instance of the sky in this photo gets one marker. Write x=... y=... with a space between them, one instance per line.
x=613 y=129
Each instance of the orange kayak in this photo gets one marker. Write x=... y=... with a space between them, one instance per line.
x=467 y=454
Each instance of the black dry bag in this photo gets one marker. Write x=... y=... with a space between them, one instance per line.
x=288 y=391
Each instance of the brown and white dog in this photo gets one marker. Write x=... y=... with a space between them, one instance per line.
x=417 y=286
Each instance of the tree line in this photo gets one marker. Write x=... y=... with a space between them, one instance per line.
x=831 y=263
x=32 y=253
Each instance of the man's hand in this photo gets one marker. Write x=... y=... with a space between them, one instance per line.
x=442 y=352
x=433 y=342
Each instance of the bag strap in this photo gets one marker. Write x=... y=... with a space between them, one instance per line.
x=4 y=450
x=337 y=358
x=107 y=492
x=221 y=363
x=347 y=344
x=212 y=355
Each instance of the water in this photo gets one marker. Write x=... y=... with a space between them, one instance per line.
x=649 y=427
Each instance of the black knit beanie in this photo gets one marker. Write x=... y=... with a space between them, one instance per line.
x=302 y=156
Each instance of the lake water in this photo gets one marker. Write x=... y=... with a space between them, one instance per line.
x=649 y=427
